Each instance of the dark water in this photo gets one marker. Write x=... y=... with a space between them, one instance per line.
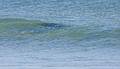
x=59 y=34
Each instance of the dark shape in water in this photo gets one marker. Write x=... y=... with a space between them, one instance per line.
x=52 y=25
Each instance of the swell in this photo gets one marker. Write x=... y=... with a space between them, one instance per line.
x=20 y=28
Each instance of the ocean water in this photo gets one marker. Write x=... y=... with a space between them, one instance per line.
x=59 y=34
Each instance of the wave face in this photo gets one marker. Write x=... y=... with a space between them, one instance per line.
x=72 y=34
x=14 y=27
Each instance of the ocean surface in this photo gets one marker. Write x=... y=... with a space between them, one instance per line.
x=59 y=34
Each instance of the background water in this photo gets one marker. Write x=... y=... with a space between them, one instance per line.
x=59 y=34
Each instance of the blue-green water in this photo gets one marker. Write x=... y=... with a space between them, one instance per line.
x=59 y=34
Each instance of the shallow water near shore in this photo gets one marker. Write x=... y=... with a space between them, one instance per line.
x=50 y=37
